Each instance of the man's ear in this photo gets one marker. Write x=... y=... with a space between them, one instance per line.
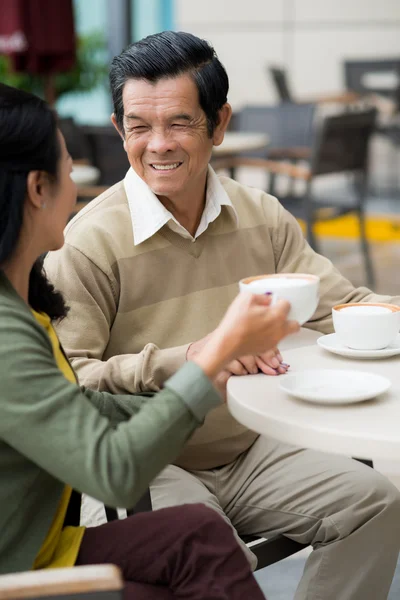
x=37 y=188
x=225 y=115
x=121 y=133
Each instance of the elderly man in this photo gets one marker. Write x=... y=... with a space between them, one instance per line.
x=149 y=268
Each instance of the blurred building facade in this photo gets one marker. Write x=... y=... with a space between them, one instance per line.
x=310 y=38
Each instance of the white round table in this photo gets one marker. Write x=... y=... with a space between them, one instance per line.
x=236 y=142
x=367 y=429
x=85 y=174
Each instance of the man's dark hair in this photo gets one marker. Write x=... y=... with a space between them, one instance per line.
x=170 y=54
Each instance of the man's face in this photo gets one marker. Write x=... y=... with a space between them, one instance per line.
x=166 y=135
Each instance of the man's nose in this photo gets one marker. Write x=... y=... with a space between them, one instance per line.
x=160 y=143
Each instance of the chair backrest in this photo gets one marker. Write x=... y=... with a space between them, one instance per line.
x=287 y=124
x=108 y=153
x=341 y=143
x=381 y=76
x=280 y=80
x=75 y=138
x=103 y=582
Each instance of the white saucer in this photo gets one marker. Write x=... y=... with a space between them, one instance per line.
x=331 y=343
x=332 y=386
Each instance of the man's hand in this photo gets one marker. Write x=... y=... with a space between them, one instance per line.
x=270 y=363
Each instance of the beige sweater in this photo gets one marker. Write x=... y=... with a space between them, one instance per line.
x=135 y=309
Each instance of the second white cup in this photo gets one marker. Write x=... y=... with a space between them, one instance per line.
x=366 y=325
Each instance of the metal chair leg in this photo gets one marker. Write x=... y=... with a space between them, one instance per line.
x=111 y=513
x=360 y=186
x=143 y=505
x=309 y=217
x=369 y=270
x=311 y=239
x=271 y=184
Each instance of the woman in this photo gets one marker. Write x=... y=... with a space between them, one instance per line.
x=55 y=437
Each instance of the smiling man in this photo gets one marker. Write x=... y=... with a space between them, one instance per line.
x=166 y=136
x=149 y=268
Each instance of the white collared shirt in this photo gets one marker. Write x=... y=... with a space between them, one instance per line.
x=148 y=214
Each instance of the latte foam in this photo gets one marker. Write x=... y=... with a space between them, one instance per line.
x=277 y=283
x=366 y=310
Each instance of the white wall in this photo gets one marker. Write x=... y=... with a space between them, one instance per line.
x=310 y=37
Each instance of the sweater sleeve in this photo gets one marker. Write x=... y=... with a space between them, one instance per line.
x=294 y=255
x=93 y=300
x=53 y=424
x=190 y=383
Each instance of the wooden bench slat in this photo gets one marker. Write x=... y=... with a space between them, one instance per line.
x=51 y=582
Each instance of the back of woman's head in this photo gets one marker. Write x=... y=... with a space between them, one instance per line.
x=28 y=142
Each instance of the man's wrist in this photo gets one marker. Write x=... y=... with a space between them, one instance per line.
x=212 y=358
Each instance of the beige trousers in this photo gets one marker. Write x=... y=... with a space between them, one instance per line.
x=348 y=512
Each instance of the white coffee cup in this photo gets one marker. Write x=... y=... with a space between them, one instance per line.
x=300 y=289
x=366 y=325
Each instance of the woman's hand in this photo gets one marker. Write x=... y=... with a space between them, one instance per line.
x=250 y=327
x=269 y=363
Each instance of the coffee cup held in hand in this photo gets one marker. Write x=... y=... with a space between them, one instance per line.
x=365 y=325
x=299 y=289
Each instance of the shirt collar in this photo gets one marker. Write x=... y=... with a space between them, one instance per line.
x=149 y=215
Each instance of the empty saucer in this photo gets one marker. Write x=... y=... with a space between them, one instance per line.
x=333 y=386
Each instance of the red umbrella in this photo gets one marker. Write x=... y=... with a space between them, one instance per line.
x=39 y=37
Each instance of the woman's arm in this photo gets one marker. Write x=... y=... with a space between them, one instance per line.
x=51 y=422
x=116 y=407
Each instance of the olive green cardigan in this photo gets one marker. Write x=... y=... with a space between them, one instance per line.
x=52 y=433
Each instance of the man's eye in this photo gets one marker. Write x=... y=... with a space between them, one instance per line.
x=178 y=125
x=139 y=128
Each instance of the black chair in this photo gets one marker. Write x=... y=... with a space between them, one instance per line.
x=107 y=152
x=76 y=140
x=289 y=126
x=359 y=77
x=98 y=145
x=340 y=147
x=280 y=81
x=290 y=129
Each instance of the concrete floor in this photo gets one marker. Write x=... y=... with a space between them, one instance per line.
x=348 y=258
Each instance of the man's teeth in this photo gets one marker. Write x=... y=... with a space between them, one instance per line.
x=165 y=167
